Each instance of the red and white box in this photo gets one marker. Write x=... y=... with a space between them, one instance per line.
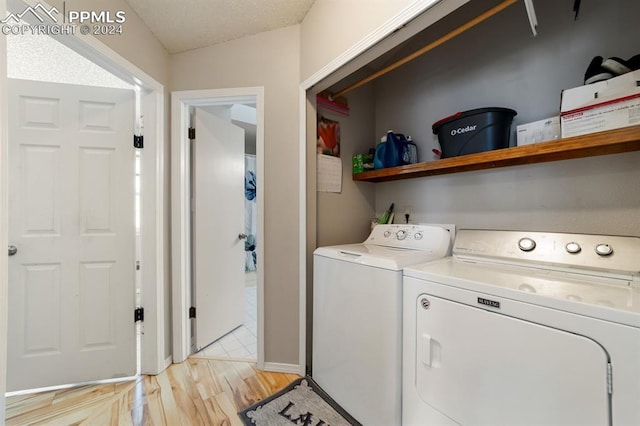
x=605 y=105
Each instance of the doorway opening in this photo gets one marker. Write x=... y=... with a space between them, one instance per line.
x=232 y=331
x=234 y=106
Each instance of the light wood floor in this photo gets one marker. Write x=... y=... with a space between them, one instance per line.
x=200 y=391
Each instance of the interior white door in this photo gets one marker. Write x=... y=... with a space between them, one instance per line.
x=71 y=218
x=218 y=221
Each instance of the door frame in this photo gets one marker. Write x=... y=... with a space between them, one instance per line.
x=153 y=221
x=181 y=102
x=4 y=215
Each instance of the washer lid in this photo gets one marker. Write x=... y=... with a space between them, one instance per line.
x=394 y=246
x=609 y=299
x=392 y=258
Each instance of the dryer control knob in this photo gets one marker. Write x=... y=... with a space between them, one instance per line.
x=604 y=249
x=387 y=233
x=418 y=235
x=573 y=248
x=401 y=235
x=526 y=244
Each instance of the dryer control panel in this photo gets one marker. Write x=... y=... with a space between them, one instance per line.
x=604 y=253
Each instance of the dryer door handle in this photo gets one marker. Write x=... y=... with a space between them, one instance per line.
x=426 y=349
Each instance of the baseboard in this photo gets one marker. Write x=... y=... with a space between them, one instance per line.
x=167 y=362
x=276 y=367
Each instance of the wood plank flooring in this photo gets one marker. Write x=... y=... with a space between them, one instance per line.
x=199 y=391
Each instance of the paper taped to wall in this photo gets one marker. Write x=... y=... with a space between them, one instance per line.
x=329 y=173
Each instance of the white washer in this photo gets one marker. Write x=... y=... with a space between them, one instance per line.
x=357 y=317
x=524 y=328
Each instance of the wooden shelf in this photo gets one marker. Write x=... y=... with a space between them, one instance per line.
x=603 y=143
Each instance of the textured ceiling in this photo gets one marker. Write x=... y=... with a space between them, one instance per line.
x=189 y=24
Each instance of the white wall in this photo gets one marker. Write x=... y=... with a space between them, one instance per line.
x=271 y=60
x=137 y=43
x=499 y=63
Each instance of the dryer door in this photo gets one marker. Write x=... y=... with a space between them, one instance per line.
x=483 y=368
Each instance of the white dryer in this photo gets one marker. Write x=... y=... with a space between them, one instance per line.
x=357 y=317
x=524 y=328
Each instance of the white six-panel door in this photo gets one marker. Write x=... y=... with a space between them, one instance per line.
x=71 y=218
x=218 y=219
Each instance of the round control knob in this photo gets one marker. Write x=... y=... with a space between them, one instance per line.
x=401 y=235
x=387 y=233
x=526 y=244
x=418 y=235
x=604 y=249
x=573 y=248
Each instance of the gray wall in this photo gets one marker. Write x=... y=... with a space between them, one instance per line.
x=499 y=63
x=344 y=217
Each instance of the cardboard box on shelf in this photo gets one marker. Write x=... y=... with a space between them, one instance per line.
x=538 y=131
x=605 y=105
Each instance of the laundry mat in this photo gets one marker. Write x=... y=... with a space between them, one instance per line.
x=303 y=402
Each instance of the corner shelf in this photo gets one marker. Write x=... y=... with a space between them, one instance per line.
x=610 y=142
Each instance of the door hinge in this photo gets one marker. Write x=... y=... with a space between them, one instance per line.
x=138 y=314
x=192 y=312
x=609 y=379
x=138 y=141
x=192 y=133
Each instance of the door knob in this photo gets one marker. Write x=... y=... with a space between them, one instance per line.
x=242 y=236
x=12 y=250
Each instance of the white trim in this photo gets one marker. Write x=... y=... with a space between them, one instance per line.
x=370 y=47
x=167 y=362
x=276 y=367
x=260 y=223
x=181 y=101
x=152 y=234
x=179 y=228
x=4 y=216
x=302 y=256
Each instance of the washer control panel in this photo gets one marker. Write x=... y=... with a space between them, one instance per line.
x=416 y=237
x=614 y=254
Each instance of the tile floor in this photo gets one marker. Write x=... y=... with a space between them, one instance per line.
x=241 y=343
